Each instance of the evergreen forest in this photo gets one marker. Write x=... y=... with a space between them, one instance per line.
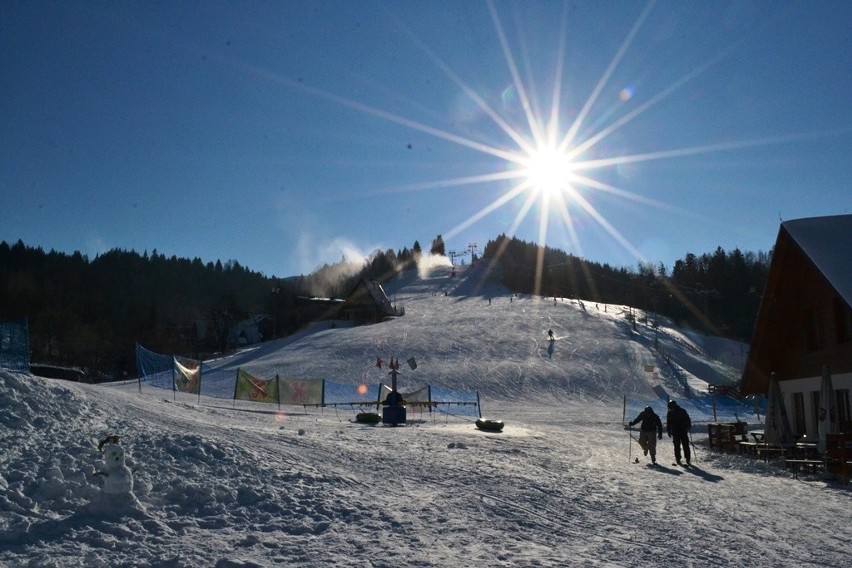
x=90 y=314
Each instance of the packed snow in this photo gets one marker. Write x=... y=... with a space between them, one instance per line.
x=206 y=482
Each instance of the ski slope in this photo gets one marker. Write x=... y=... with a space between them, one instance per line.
x=225 y=486
x=468 y=333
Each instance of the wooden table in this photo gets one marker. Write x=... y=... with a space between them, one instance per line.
x=808 y=465
x=805 y=450
x=768 y=452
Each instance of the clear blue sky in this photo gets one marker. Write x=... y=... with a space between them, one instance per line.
x=288 y=134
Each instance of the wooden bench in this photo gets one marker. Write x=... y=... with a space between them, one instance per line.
x=769 y=452
x=810 y=466
x=838 y=455
x=837 y=459
x=805 y=451
x=749 y=448
x=840 y=468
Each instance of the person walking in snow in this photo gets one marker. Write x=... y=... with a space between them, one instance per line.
x=650 y=431
x=678 y=426
x=550 y=335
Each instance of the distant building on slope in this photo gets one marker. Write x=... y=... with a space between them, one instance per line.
x=251 y=330
x=367 y=303
x=309 y=310
x=805 y=319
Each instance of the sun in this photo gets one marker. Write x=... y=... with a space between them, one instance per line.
x=549 y=156
x=548 y=170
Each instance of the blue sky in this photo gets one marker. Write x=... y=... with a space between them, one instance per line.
x=288 y=134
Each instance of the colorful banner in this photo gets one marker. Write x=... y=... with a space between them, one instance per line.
x=251 y=388
x=174 y=372
x=301 y=392
x=187 y=375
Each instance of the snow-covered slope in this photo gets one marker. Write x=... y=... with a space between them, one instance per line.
x=221 y=486
x=495 y=343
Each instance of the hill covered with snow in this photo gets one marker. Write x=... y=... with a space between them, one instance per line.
x=219 y=484
x=468 y=333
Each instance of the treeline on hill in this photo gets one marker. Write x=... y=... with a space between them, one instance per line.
x=91 y=313
x=718 y=292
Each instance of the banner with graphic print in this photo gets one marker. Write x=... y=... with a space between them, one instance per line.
x=301 y=392
x=187 y=375
x=254 y=389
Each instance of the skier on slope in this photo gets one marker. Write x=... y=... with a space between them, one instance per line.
x=678 y=426
x=651 y=425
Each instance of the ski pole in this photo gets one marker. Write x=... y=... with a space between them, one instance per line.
x=691 y=443
x=630 y=447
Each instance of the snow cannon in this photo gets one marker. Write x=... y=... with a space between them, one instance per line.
x=394 y=412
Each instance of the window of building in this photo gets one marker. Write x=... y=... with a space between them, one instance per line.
x=799 y=425
x=845 y=419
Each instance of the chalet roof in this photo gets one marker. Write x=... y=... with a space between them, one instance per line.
x=827 y=241
x=378 y=294
x=811 y=266
x=320 y=300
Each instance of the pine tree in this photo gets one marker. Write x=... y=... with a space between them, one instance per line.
x=438 y=246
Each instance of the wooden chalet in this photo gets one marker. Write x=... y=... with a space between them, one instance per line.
x=305 y=310
x=367 y=303
x=805 y=319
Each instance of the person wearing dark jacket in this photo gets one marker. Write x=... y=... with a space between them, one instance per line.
x=650 y=430
x=678 y=426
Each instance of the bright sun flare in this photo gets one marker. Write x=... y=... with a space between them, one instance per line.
x=548 y=171
x=545 y=164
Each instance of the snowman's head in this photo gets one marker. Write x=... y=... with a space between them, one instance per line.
x=113 y=456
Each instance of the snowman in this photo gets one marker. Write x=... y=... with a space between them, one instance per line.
x=118 y=479
x=117 y=493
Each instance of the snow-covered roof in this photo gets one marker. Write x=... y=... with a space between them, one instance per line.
x=827 y=241
x=377 y=293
